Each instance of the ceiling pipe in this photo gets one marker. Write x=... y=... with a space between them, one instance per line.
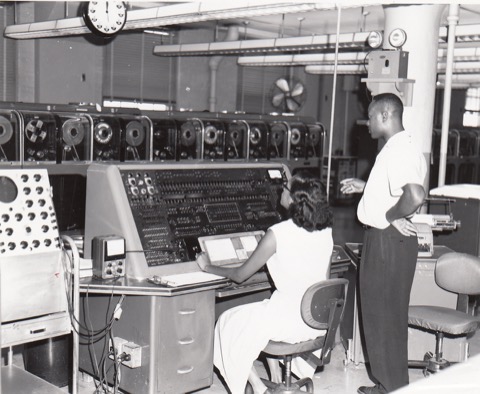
x=214 y=63
x=452 y=23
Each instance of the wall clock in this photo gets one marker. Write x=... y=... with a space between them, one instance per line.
x=105 y=18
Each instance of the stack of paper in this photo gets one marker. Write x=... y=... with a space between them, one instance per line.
x=188 y=278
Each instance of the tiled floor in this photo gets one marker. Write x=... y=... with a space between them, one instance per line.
x=339 y=376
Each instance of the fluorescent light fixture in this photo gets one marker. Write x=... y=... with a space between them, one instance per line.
x=303 y=59
x=341 y=69
x=213 y=10
x=156 y=32
x=460 y=54
x=460 y=67
x=56 y=28
x=460 y=80
x=131 y=104
x=284 y=44
x=465 y=35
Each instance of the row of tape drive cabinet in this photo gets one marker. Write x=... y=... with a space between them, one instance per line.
x=57 y=134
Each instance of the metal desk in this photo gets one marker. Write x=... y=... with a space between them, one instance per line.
x=169 y=328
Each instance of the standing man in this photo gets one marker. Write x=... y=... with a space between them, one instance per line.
x=393 y=192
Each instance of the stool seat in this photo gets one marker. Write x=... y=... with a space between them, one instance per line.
x=281 y=348
x=446 y=320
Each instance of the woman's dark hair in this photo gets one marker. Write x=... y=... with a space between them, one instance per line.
x=309 y=208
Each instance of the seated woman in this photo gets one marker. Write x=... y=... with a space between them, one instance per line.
x=297 y=252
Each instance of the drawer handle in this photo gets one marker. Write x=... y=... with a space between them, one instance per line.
x=38 y=331
x=185 y=370
x=186 y=341
x=187 y=312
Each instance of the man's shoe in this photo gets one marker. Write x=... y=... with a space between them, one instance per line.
x=369 y=390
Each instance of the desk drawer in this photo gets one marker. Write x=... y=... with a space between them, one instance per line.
x=35 y=329
x=185 y=346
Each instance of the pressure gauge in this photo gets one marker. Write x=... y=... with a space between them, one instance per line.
x=397 y=38
x=105 y=18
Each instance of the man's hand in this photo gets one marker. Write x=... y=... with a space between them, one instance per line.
x=352 y=185
x=405 y=227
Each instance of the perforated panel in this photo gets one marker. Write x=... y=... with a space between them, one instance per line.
x=27 y=219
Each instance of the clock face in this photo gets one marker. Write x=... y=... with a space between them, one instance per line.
x=105 y=18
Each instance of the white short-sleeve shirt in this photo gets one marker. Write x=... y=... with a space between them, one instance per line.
x=400 y=162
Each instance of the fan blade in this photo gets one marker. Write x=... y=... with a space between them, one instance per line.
x=282 y=84
x=292 y=104
x=297 y=90
x=278 y=99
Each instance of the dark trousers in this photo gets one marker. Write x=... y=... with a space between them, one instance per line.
x=387 y=268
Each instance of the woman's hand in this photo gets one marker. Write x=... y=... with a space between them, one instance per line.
x=352 y=185
x=203 y=261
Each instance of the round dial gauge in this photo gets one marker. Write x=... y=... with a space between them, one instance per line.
x=105 y=18
x=397 y=38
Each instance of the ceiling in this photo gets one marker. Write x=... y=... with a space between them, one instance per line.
x=354 y=17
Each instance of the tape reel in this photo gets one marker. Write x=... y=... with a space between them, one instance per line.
x=74 y=131
x=296 y=136
x=211 y=135
x=6 y=130
x=135 y=133
x=314 y=136
x=255 y=135
x=103 y=133
x=277 y=135
x=235 y=134
x=36 y=131
x=187 y=134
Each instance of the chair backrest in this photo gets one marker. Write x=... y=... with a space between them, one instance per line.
x=322 y=308
x=458 y=273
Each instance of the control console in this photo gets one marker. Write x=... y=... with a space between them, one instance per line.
x=162 y=210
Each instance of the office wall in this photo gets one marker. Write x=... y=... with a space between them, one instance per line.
x=74 y=69
x=69 y=71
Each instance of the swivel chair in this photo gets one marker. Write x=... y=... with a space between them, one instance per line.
x=322 y=308
x=458 y=273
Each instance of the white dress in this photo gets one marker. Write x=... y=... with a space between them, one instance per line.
x=302 y=258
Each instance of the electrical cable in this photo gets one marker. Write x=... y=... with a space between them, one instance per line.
x=70 y=262
x=73 y=303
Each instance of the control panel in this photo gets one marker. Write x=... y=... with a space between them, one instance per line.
x=162 y=210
